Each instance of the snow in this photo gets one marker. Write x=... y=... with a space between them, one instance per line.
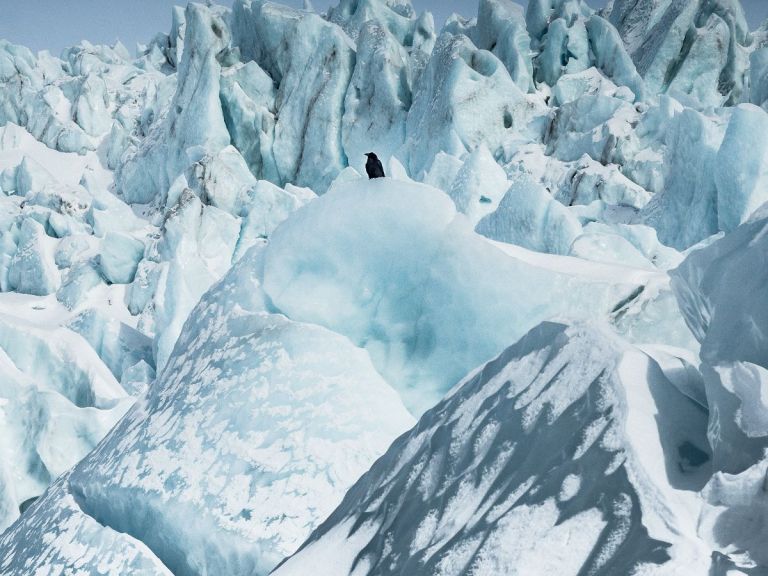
x=733 y=517
x=633 y=483
x=283 y=415
x=212 y=324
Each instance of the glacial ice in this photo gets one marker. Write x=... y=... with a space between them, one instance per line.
x=554 y=164
x=692 y=49
x=57 y=401
x=312 y=62
x=570 y=452
x=742 y=176
x=250 y=437
x=119 y=257
x=528 y=216
x=378 y=98
x=429 y=299
x=193 y=127
x=465 y=96
x=479 y=185
x=501 y=30
x=719 y=288
x=31 y=269
x=685 y=211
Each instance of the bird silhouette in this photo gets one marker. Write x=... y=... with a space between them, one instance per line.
x=373 y=166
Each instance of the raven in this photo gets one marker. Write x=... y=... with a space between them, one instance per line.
x=373 y=167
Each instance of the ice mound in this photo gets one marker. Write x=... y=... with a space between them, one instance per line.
x=570 y=453
x=713 y=174
x=528 y=216
x=250 y=437
x=389 y=265
x=479 y=185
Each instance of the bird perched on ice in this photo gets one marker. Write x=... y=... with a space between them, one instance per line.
x=373 y=166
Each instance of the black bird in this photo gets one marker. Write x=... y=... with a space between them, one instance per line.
x=373 y=167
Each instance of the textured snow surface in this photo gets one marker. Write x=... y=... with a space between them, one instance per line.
x=569 y=452
x=247 y=441
x=212 y=323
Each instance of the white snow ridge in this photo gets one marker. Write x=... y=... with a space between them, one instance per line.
x=569 y=453
x=538 y=346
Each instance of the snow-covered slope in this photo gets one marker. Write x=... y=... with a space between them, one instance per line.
x=248 y=440
x=570 y=453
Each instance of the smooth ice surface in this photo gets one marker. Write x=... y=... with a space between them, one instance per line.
x=400 y=275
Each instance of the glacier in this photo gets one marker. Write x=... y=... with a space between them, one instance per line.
x=240 y=436
x=571 y=444
x=537 y=346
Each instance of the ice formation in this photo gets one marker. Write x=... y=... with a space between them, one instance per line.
x=250 y=437
x=571 y=452
x=430 y=299
x=212 y=325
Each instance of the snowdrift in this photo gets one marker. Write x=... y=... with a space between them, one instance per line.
x=571 y=453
